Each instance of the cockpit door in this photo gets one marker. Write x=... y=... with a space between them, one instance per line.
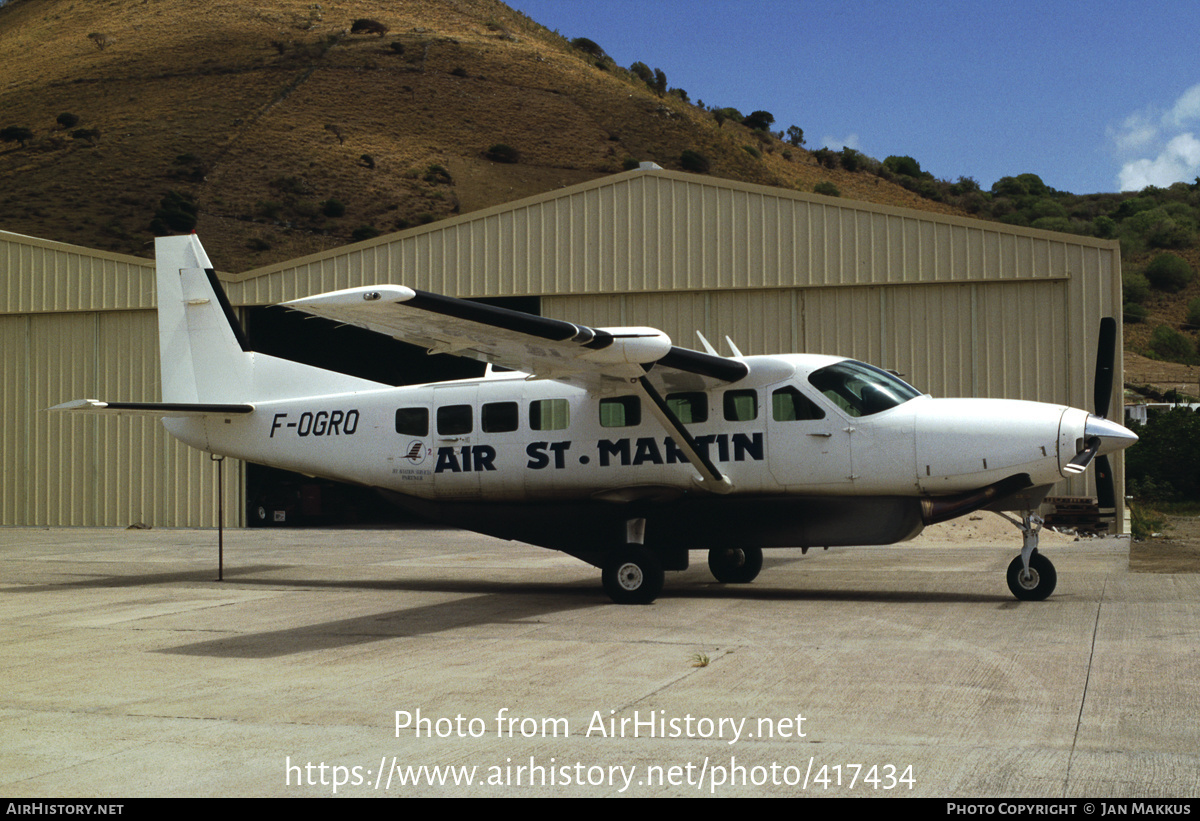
x=808 y=445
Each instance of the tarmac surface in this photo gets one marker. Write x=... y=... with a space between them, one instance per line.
x=129 y=671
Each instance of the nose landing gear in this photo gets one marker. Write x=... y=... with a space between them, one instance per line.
x=1031 y=576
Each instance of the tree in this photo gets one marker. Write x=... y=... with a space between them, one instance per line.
x=660 y=82
x=795 y=136
x=643 y=72
x=723 y=114
x=1167 y=457
x=904 y=166
x=759 y=120
x=588 y=47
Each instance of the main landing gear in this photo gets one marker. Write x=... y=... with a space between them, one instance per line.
x=634 y=574
x=1031 y=576
x=735 y=565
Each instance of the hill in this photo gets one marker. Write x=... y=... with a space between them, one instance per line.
x=278 y=130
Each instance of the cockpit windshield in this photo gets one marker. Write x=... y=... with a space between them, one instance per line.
x=860 y=389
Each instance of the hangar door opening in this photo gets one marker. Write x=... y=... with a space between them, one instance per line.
x=276 y=497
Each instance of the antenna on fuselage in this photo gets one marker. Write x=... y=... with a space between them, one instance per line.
x=707 y=346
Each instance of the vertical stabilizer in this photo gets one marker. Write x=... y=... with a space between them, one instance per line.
x=203 y=353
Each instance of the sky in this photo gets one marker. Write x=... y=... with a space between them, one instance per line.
x=1095 y=96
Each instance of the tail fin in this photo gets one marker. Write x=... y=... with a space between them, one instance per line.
x=205 y=357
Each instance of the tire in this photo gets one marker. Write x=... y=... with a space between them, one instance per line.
x=735 y=565
x=1041 y=582
x=633 y=575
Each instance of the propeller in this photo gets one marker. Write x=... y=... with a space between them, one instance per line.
x=1106 y=354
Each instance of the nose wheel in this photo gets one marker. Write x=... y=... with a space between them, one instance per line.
x=1033 y=583
x=1031 y=576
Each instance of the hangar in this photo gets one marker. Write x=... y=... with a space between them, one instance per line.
x=959 y=307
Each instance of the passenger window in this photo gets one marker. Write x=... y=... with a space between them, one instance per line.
x=499 y=417
x=453 y=420
x=689 y=407
x=789 y=405
x=621 y=412
x=741 y=406
x=412 y=421
x=549 y=414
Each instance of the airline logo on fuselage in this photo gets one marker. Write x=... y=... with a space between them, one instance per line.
x=644 y=450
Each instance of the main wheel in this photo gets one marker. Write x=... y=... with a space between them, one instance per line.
x=633 y=575
x=1038 y=583
x=735 y=565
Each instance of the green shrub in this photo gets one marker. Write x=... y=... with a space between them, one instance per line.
x=827 y=188
x=1193 y=314
x=752 y=151
x=630 y=163
x=16 y=134
x=904 y=166
x=1169 y=272
x=1170 y=345
x=1134 y=313
x=851 y=159
x=333 y=208
x=502 y=153
x=67 y=120
x=365 y=25
x=694 y=161
x=827 y=158
x=176 y=212
x=588 y=47
x=1134 y=288
x=364 y=232
x=1105 y=227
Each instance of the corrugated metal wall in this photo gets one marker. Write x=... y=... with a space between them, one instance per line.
x=79 y=326
x=961 y=307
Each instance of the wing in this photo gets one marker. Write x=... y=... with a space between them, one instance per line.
x=545 y=348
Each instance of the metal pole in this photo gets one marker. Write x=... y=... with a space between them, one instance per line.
x=220 y=460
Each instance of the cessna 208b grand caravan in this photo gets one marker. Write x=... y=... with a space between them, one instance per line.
x=613 y=444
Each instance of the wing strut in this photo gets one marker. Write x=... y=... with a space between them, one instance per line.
x=711 y=478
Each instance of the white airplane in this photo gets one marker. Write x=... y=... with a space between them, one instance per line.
x=612 y=444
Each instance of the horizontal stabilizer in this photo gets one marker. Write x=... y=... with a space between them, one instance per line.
x=153 y=408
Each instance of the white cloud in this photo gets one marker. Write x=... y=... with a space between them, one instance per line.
x=837 y=144
x=1178 y=161
x=1137 y=132
x=1155 y=147
x=1186 y=108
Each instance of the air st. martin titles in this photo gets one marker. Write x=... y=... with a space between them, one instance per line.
x=613 y=444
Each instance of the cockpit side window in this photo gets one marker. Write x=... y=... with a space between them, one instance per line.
x=860 y=389
x=789 y=405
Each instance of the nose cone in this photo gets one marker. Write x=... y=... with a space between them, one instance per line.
x=1113 y=437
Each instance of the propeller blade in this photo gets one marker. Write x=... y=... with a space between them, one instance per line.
x=1106 y=495
x=1106 y=354
x=1084 y=457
